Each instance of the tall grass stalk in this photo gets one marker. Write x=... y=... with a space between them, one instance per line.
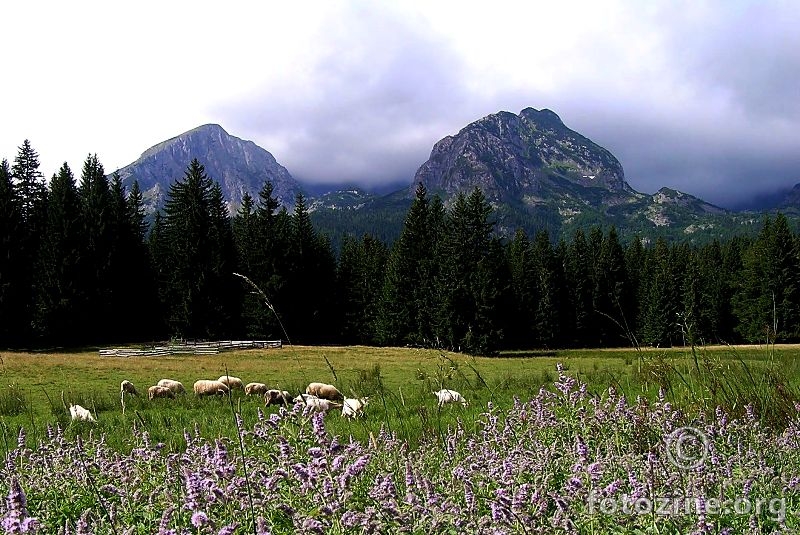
x=240 y=440
x=266 y=301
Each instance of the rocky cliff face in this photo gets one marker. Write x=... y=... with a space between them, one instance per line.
x=239 y=166
x=531 y=158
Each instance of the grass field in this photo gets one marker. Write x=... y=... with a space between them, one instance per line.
x=399 y=382
x=544 y=445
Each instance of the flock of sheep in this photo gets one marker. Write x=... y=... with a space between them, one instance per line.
x=319 y=397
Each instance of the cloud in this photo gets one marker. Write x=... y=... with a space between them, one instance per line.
x=367 y=106
x=699 y=96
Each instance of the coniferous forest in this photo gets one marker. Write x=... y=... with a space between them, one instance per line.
x=81 y=265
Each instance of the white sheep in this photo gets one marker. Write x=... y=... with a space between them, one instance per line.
x=450 y=396
x=79 y=413
x=255 y=389
x=206 y=387
x=160 y=392
x=231 y=382
x=276 y=396
x=352 y=407
x=324 y=391
x=126 y=387
x=175 y=386
x=316 y=404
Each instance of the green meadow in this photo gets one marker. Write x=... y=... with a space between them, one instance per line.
x=36 y=388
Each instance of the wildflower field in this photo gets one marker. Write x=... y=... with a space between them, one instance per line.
x=677 y=441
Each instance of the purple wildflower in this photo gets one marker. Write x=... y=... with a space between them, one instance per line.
x=313 y=525
x=261 y=527
x=199 y=519
x=229 y=529
x=16 y=519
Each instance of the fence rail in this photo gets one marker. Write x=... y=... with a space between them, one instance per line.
x=188 y=348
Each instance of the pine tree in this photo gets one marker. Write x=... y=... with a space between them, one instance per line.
x=95 y=285
x=140 y=279
x=408 y=297
x=520 y=321
x=546 y=319
x=58 y=295
x=29 y=181
x=580 y=275
x=468 y=290
x=661 y=317
x=611 y=295
x=250 y=261
x=270 y=260
x=636 y=270
x=30 y=196
x=310 y=279
x=359 y=281
x=158 y=247
x=767 y=301
x=12 y=273
x=225 y=293
x=186 y=251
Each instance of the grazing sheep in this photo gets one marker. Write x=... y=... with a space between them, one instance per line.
x=450 y=396
x=352 y=407
x=126 y=387
x=316 y=404
x=160 y=392
x=231 y=382
x=276 y=396
x=79 y=413
x=175 y=386
x=255 y=389
x=205 y=387
x=324 y=391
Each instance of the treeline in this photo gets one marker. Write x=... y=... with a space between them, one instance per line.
x=79 y=265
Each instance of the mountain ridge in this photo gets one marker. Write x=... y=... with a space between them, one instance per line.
x=534 y=170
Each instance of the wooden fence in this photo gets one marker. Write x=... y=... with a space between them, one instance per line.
x=189 y=348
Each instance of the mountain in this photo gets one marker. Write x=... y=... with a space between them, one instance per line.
x=239 y=166
x=535 y=171
x=531 y=158
x=538 y=173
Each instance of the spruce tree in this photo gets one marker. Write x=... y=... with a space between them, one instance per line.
x=29 y=181
x=520 y=321
x=225 y=293
x=12 y=272
x=766 y=303
x=30 y=196
x=661 y=317
x=186 y=251
x=580 y=276
x=611 y=296
x=468 y=289
x=95 y=284
x=307 y=300
x=248 y=252
x=270 y=261
x=408 y=297
x=359 y=281
x=546 y=321
x=141 y=278
x=58 y=295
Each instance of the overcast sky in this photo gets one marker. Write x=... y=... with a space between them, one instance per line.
x=700 y=96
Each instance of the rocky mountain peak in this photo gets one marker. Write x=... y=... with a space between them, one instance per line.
x=239 y=166
x=532 y=158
